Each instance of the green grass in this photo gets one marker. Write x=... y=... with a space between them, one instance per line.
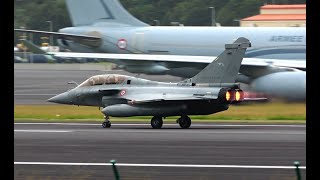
x=269 y=112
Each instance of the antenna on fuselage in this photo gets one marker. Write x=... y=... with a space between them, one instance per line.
x=73 y=82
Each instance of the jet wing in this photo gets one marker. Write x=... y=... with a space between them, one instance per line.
x=187 y=98
x=138 y=57
x=82 y=39
x=297 y=64
x=151 y=98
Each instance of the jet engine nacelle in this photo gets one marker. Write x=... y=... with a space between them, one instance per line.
x=230 y=96
x=287 y=85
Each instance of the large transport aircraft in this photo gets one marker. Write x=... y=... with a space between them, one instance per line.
x=275 y=65
x=210 y=91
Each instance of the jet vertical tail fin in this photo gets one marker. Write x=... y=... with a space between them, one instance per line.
x=225 y=67
x=87 y=12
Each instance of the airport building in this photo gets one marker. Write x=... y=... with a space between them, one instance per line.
x=278 y=16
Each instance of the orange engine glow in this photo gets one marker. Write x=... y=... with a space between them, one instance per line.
x=228 y=96
x=238 y=96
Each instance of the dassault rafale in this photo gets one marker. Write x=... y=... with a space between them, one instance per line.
x=210 y=91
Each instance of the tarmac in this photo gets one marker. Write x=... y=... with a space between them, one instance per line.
x=206 y=151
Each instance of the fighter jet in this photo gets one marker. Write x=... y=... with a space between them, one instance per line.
x=208 y=92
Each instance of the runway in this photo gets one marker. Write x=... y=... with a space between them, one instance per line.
x=206 y=151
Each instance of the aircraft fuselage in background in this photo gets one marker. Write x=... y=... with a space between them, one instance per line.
x=267 y=42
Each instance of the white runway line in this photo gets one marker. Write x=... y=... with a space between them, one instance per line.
x=41 y=131
x=158 y=165
x=35 y=94
x=197 y=132
x=163 y=131
x=192 y=125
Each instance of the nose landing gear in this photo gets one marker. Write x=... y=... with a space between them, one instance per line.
x=106 y=123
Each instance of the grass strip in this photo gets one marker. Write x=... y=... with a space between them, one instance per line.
x=268 y=112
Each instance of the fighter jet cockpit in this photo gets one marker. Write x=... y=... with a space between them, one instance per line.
x=105 y=79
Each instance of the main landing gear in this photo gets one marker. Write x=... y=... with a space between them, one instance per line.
x=184 y=122
x=156 y=122
x=106 y=123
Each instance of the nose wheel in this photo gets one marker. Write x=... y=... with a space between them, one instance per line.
x=106 y=123
x=156 y=122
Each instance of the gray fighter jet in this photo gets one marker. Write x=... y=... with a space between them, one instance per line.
x=208 y=92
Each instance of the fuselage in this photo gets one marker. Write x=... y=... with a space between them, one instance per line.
x=267 y=42
x=128 y=96
x=119 y=105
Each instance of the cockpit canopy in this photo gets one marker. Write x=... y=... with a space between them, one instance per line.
x=104 y=79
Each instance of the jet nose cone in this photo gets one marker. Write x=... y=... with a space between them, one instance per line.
x=60 y=99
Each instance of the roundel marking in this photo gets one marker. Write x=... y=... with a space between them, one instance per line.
x=123 y=92
x=122 y=43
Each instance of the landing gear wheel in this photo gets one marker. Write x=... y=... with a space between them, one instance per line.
x=106 y=123
x=156 y=122
x=184 y=122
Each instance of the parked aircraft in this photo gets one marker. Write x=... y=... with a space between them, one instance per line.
x=276 y=65
x=39 y=55
x=210 y=91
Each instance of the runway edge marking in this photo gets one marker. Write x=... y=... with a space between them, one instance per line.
x=217 y=125
x=158 y=165
x=41 y=131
